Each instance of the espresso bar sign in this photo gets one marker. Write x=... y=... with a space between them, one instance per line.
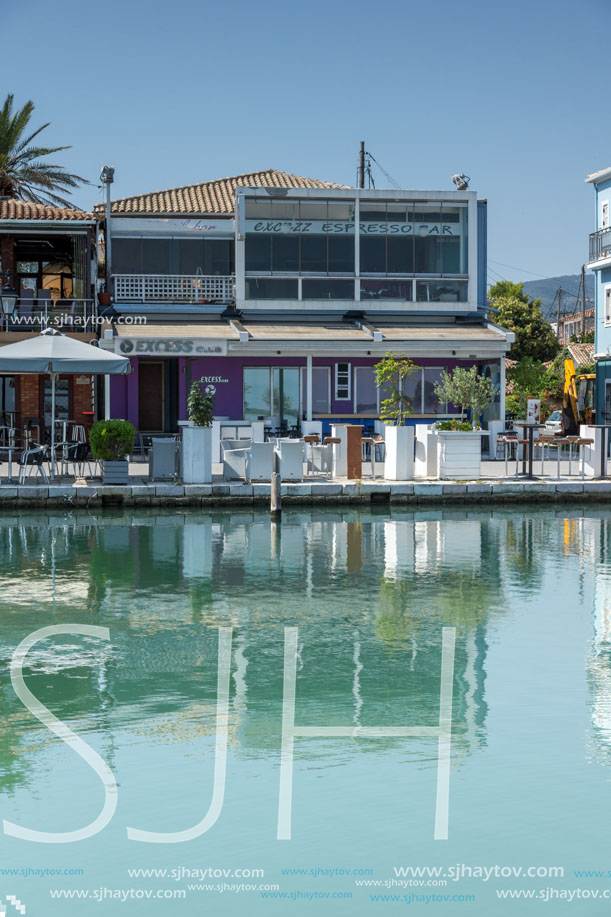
x=170 y=347
x=322 y=227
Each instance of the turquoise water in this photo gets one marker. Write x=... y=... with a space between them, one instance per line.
x=529 y=596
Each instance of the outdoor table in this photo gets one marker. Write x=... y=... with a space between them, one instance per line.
x=530 y=428
x=603 y=427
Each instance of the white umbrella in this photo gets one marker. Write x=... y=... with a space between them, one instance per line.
x=54 y=353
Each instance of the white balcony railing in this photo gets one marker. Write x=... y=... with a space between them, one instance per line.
x=184 y=288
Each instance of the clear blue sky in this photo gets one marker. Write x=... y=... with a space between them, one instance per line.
x=180 y=91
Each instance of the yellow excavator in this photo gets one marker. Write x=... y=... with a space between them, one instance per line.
x=579 y=401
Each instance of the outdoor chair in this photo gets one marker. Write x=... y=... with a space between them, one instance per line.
x=260 y=462
x=32 y=459
x=321 y=459
x=290 y=455
x=77 y=455
x=234 y=463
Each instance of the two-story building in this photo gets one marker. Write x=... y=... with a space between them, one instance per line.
x=281 y=293
x=48 y=272
x=600 y=263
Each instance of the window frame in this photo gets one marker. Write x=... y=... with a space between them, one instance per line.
x=348 y=385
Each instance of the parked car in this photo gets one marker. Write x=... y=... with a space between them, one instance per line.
x=553 y=424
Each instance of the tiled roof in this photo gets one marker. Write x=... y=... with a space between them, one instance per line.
x=581 y=354
x=212 y=196
x=21 y=210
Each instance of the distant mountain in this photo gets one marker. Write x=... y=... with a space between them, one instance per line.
x=546 y=290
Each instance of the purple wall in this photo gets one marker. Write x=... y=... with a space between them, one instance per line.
x=124 y=389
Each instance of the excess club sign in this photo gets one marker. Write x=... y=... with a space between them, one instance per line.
x=171 y=347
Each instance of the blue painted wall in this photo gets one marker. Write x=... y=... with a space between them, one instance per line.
x=482 y=252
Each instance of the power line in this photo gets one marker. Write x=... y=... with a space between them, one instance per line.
x=521 y=269
x=386 y=175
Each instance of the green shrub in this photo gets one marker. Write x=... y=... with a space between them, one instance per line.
x=200 y=407
x=460 y=425
x=112 y=440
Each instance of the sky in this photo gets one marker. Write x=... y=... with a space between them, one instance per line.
x=173 y=92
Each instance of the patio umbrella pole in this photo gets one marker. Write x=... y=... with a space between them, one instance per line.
x=52 y=426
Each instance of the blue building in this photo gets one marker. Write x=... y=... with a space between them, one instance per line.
x=599 y=261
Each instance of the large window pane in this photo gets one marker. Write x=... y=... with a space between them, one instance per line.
x=126 y=256
x=450 y=255
x=271 y=288
x=218 y=256
x=257 y=400
x=327 y=288
x=156 y=256
x=189 y=256
x=400 y=254
x=285 y=253
x=366 y=399
x=321 y=390
x=285 y=404
x=373 y=254
x=412 y=388
x=258 y=252
x=441 y=291
x=432 y=404
x=427 y=254
x=340 y=253
x=387 y=289
x=313 y=253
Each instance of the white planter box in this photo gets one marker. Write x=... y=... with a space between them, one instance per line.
x=426 y=460
x=399 y=462
x=197 y=455
x=459 y=454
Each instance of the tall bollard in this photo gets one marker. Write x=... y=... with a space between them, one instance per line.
x=276 y=492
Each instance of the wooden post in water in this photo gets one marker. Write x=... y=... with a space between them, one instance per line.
x=275 y=507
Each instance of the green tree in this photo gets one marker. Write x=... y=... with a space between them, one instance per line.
x=390 y=374
x=465 y=388
x=519 y=313
x=200 y=407
x=23 y=173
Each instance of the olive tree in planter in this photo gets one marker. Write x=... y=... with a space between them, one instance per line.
x=111 y=442
x=459 y=449
x=197 y=439
x=391 y=374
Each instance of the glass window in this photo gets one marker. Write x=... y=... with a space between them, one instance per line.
x=27 y=267
x=327 y=288
x=431 y=403
x=257 y=392
x=126 y=256
x=218 y=256
x=258 y=252
x=387 y=289
x=155 y=256
x=373 y=254
x=340 y=253
x=7 y=393
x=189 y=256
x=366 y=397
x=285 y=394
x=271 y=288
x=285 y=252
x=400 y=254
x=412 y=388
x=441 y=291
x=342 y=382
x=321 y=390
x=427 y=252
x=313 y=253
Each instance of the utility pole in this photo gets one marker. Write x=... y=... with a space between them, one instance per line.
x=362 y=165
x=559 y=294
x=583 y=299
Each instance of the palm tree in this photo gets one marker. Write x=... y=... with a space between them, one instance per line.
x=23 y=173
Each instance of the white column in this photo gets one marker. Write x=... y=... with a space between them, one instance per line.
x=309 y=387
x=106 y=397
x=502 y=384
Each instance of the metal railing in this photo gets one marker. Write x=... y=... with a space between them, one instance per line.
x=600 y=244
x=185 y=288
x=35 y=315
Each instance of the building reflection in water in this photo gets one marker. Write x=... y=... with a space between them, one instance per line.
x=370 y=594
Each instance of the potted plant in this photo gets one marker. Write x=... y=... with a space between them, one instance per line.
x=111 y=442
x=459 y=449
x=197 y=438
x=391 y=374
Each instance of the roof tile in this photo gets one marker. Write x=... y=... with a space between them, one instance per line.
x=22 y=210
x=211 y=197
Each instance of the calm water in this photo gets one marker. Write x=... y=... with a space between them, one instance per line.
x=528 y=594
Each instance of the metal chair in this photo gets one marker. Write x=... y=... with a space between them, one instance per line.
x=33 y=459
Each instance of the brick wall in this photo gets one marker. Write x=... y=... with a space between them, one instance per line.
x=29 y=398
x=7 y=256
x=30 y=389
